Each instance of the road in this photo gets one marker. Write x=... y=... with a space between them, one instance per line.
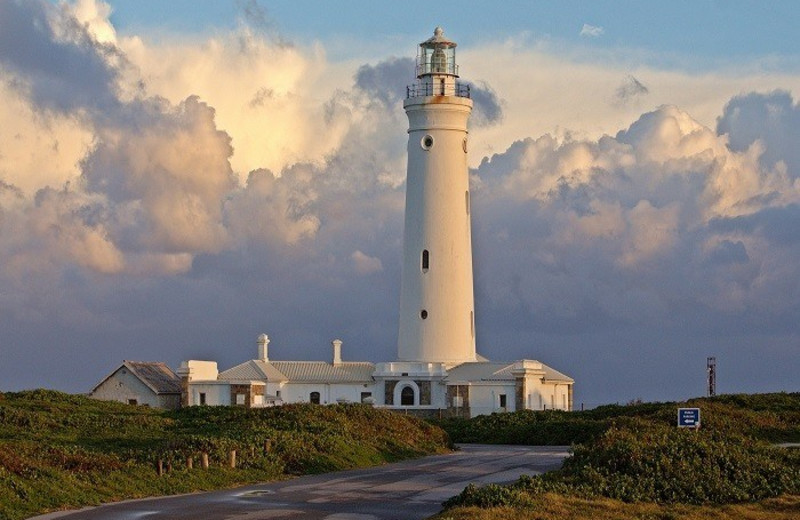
x=407 y=490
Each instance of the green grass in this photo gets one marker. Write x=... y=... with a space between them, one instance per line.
x=633 y=462
x=61 y=451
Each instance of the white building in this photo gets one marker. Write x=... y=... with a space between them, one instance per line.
x=437 y=370
x=143 y=383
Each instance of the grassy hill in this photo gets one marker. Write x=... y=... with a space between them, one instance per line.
x=60 y=451
x=632 y=462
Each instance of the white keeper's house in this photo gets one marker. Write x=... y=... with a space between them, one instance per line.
x=437 y=370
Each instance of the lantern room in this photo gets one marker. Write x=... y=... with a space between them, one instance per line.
x=437 y=55
x=436 y=69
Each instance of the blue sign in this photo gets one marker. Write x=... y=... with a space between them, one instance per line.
x=688 y=417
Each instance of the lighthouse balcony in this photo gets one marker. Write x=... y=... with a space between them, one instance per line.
x=428 y=89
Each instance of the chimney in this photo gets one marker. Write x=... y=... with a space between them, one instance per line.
x=337 y=351
x=263 y=342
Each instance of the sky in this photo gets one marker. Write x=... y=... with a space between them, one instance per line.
x=178 y=177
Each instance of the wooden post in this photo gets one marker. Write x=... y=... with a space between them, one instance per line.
x=253 y=451
x=169 y=466
x=160 y=467
x=267 y=445
x=232 y=459
x=189 y=462
x=204 y=460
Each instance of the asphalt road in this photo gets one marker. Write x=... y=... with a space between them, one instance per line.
x=402 y=491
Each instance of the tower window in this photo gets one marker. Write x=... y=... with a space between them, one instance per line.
x=423 y=314
x=427 y=142
x=472 y=323
x=441 y=84
x=425 y=260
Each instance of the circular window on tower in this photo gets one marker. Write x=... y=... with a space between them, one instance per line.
x=427 y=142
x=464 y=145
x=423 y=314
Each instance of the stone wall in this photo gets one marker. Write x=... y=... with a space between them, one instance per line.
x=461 y=391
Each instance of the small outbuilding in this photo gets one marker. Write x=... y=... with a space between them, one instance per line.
x=141 y=383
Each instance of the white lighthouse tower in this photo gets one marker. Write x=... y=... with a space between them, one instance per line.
x=437 y=318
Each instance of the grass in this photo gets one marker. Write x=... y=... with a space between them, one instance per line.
x=552 y=506
x=632 y=462
x=61 y=451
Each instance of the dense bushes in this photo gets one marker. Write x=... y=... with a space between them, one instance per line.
x=640 y=456
x=59 y=450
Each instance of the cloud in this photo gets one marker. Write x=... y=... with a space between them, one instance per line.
x=630 y=89
x=487 y=106
x=54 y=60
x=179 y=198
x=591 y=31
x=386 y=81
x=770 y=119
x=365 y=264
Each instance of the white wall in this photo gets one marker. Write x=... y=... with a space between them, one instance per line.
x=329 y=393
x=485 y=399
x=217 y=393
x=122 y=386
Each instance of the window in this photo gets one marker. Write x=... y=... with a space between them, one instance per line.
x=240 y=399
x=314 y=398
x=423 y=314
x=426 y=260
x=427 y=142
x=366 y=397
x=502 y=400
x=441 y=83
x=407 y=396
x=133 y=401
x=458 y=401
x=472 y=324
x=202 y=398
x=278 y=394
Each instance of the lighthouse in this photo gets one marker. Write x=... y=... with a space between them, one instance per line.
x=437 y=372
x=437 y=313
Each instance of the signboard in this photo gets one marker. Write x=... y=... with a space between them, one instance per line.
x=688 y=417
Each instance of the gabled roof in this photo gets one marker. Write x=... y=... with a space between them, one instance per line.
x=253 y=370
x=156 y=375
x=500 y=371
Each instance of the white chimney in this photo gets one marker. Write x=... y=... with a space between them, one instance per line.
x=263 y=342
x=337 y=351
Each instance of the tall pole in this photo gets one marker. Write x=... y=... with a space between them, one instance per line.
x=711 y=367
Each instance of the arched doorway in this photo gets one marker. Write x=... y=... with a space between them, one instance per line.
x=407 y=396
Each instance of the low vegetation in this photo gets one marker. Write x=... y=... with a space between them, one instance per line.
x=61 y=451
x=632 y=462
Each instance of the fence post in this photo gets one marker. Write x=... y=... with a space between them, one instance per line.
x=160 y=467
x=267 y=445
x=204 y=460
x=189 y=462
x=232 y=459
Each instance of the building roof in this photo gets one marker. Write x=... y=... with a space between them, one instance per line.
x=253 y=370
x=154 y=374
x=300 y=372
x=323 y=372
x=501 y=371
